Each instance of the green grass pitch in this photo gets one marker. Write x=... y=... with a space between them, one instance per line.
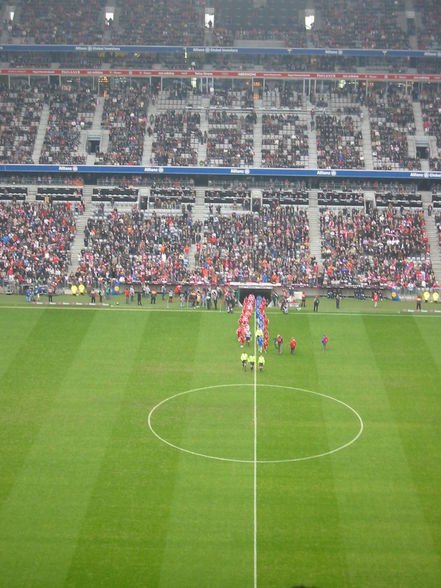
x=90 y=496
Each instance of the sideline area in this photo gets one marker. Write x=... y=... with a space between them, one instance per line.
x=327 y=306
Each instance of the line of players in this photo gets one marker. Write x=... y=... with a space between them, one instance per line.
x=250 y=360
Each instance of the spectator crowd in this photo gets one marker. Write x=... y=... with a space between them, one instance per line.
x=125 y=117
x=71 y=109
x=129 y=247
x=271 y=245
x=35 y=242
x=384 y=248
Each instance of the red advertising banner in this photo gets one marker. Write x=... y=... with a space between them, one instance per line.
x=182 y=73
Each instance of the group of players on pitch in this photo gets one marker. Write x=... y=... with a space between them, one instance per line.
x=250 y=360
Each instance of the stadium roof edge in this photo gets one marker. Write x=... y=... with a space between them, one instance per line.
x=305 y=51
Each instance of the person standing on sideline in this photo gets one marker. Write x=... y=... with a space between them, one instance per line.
x=418 y=301
x=139 y=298
x=337 y=301
x=293 y=344
x=316 y=303
x=376 y=299
x=127 y=294
x=324 y=342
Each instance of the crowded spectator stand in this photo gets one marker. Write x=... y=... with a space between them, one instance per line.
x=384 y=248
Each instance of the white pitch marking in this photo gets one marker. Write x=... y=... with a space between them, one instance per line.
x=258 y=461
x=255 y=455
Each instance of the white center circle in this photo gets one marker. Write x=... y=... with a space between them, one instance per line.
x=260 y=461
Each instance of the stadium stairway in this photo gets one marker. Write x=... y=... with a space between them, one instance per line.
x=191 y=257
x=4 y=35
x=314 y=228
x=409 y=8
x=104 y=144
x=433 y=147
x=41 y=132
x=78 y=242
x=411 y=146
x=257 y=140
x=98 y=114
x=107 y=37
x=366 y=134
x=199 y=212
x=143 y=196
x=87 y=198
x=432 y=235
x=312 y=148
x=96 y=131
x=418 y=116
x=32 y=194
x=202 y=149
x=148 y=141
x=420 y=137
x=82 y=147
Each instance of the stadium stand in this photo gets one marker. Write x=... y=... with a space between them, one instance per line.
x=71 y=109
x=337 y=198
x=236 y=196
x=133 y=247
x=113 y=195
x=125 y=116
x=52 y=22
x=160 y=23
x=343 y=24
x=230 y=139
x=339 y=142
x=176 y=136
x=232 y=119
x=383 y=248
x=269 y=246
x=36 y=242
x=173 y=197
x=60 y=194
x=13 y=193
x=20 y=111
x=285 y=141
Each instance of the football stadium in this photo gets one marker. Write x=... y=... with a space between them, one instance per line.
x=220 y=270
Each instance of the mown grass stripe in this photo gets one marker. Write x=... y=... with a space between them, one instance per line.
x=125 y=528
x=41 y=520
x=210 y=528
x=295 y=500
x=30 y=383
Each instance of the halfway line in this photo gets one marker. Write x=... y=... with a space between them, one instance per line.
x=255 y=455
